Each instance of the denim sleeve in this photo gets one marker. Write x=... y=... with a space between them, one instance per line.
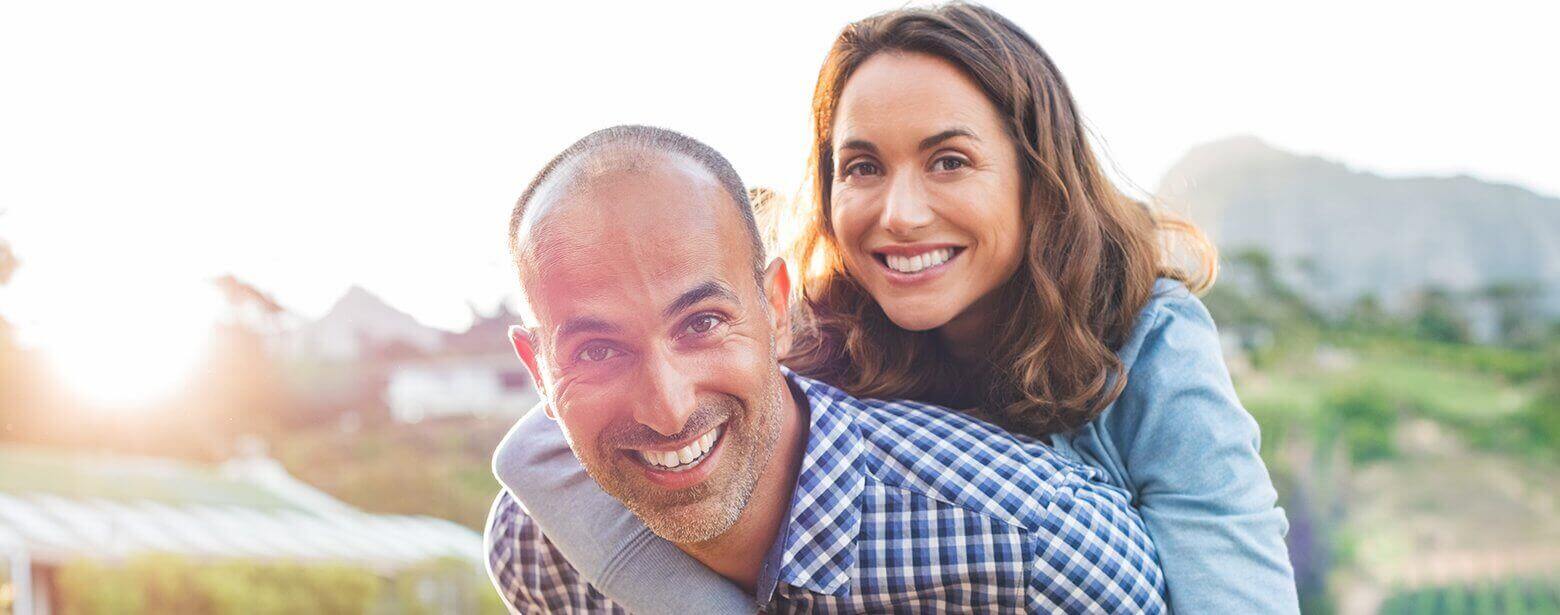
x=611 y=547
x=1190 y=453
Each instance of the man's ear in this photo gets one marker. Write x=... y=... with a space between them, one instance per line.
x=777 y=290
x=525 y=348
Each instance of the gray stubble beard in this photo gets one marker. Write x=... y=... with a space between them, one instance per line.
x=699 y=514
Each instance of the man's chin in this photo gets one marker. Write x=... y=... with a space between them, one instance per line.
x=688 y=524
x=691 y=515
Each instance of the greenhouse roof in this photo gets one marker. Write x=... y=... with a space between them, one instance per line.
x=61 y=507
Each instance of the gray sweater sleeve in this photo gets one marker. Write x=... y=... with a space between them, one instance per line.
x=608 y=545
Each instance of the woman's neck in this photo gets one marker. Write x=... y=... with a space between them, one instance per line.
x=967 y=337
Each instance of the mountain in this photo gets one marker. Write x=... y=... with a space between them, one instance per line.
x=1340 y=233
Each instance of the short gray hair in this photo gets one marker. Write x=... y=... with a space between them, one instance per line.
x=649 y=139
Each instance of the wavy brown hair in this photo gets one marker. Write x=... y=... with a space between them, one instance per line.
x=1093 y=254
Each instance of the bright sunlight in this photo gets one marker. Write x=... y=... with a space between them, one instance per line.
x=141 y=349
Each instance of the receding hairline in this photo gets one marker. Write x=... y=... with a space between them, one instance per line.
x=582 y=173
x=619 y=149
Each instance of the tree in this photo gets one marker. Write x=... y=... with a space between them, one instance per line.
x=10 y=356
x=1518 y=321
x=8 y=263
x=1440 y=317
x=243 y=390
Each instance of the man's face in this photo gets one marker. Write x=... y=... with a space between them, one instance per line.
x=654 y=343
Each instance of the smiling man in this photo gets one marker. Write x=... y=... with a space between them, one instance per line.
x=652 y=333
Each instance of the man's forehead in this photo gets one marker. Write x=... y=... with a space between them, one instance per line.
x=629 y=238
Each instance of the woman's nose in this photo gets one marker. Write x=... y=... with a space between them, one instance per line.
x=905 y=207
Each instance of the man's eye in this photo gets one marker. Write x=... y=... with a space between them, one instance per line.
x=703 y=323
x=596 y=354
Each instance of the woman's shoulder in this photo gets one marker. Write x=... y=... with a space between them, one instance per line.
x=1178 y=390
x=1173 y=317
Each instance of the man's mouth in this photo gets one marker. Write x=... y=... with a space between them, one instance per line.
x=685 y=458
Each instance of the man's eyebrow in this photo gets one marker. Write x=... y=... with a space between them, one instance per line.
x=699 y=293
x=950 y=133
x=585 y=324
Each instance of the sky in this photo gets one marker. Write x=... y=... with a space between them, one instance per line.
x=148 y=147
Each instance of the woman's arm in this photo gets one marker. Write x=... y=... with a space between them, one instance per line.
x=608 y=545
x=1189 y=453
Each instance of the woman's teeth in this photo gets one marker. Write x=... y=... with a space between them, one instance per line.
x=919 y=262
x=685 y=457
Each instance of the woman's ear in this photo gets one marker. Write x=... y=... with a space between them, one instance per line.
x=777 y=290
x=524 y=341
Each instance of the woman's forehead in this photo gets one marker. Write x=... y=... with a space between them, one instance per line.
x=905 y=94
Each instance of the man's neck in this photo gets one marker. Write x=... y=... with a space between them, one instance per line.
x=738 y=553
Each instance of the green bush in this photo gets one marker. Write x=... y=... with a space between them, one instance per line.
x=1509 y=597
x=1514 y=365
x=1363 y=420
x=172 y=584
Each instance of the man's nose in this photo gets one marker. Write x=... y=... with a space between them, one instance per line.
x=670 y=400
x=905 y=207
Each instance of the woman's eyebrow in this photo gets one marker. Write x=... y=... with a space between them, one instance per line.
x=860 y=144
x=934 y=140
x=927 y=143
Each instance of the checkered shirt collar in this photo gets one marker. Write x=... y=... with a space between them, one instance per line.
x=820 y=550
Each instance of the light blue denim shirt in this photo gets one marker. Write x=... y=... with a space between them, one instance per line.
x=1177 y=440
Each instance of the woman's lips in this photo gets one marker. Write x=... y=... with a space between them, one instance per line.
x=914 y=264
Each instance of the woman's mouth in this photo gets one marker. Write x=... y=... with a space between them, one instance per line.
x=911 y=265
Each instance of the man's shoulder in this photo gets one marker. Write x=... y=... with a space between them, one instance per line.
x=1063 y=540
x=528 y=571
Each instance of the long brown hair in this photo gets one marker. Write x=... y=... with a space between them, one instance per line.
x=1093 y=254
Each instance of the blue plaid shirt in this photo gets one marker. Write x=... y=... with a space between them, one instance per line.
x=905 y=507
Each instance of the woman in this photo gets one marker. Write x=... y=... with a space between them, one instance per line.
x=963 y=247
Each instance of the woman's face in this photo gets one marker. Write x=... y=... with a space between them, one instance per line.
x=926 y=193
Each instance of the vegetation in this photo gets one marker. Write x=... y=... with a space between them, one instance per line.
x=1350 y=403
x=440 y=468
x=168 y=584
x=1509 y=597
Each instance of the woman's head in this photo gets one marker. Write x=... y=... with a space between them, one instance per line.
x=962 y=232
x=925 y=200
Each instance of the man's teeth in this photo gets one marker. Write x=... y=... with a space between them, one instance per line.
x=685 y=457
x=919 y=262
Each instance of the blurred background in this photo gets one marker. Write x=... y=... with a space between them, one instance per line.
x=254 y=283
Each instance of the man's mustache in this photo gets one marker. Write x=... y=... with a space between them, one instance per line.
x=637 y=435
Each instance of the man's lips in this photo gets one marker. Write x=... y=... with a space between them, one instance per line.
x=679 y=456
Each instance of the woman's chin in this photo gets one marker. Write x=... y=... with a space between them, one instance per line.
x=916 y=318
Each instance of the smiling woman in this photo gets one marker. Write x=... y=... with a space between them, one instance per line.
x=125 y=344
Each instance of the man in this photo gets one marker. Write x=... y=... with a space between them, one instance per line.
x=652 y=335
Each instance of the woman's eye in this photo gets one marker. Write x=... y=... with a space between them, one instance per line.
x=862 y=168
x=950 y=163
x=596 y=354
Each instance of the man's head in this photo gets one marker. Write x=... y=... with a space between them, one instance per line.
x=653 y=324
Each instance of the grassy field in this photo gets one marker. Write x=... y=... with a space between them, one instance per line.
x=440 y=468
x=1401 y=456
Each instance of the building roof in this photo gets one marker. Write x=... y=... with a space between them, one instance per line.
x=62 y=506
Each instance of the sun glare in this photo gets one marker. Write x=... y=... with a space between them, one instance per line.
x=141 y=349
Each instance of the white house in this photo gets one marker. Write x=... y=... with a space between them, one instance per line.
x=481 y=385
